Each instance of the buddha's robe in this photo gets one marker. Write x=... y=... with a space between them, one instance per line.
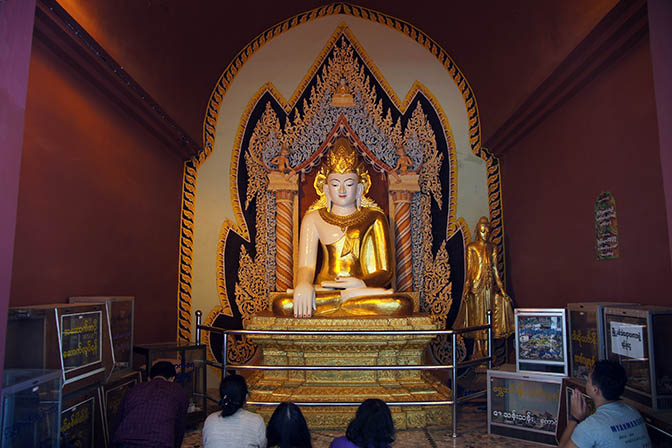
x=363 y=252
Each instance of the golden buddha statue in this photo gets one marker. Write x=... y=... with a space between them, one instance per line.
x=353 y=236
x=342 y=97
x=484 y=291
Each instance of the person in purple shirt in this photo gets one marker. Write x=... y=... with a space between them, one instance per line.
x=372 y=427
x=152 y=414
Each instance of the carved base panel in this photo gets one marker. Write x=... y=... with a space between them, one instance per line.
x=348 y=386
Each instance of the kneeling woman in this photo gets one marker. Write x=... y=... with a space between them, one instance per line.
x=372 y=427
x=234 y=427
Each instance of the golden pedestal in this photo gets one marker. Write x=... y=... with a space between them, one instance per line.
x=347 y=385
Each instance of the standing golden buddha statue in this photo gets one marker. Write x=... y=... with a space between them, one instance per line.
x=484 y=291
x=352 y=233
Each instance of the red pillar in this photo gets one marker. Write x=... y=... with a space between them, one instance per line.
x=660 y=30
x=16 y=37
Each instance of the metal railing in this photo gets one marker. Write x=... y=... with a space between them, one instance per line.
x=224 y=366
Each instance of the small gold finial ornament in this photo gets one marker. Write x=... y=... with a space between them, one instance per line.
x=342 y=158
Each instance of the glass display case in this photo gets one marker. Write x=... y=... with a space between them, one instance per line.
x=82 y=422
x=120 y=323
x=637 y=338
x=31 y=405
x=190 y=364
x=64 y=337
x=114 y=391
x=523 y=406
x=586 y=335
x=541 y=340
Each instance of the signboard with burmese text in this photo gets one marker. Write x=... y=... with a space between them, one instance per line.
x=524 y=403
x=77 y=424
x=583 y=342
x=81 y=339
x=627 y=339
x=523 y=406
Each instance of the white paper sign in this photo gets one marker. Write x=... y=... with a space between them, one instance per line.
x=627 y=339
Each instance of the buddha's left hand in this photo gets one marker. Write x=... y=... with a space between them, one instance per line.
x=344 y=283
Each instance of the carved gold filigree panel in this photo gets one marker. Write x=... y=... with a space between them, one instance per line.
x=311 y=117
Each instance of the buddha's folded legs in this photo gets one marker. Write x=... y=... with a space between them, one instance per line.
x=388 y=305
x=330 y=303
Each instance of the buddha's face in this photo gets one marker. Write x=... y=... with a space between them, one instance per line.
x=343 y=189
x=483 y=231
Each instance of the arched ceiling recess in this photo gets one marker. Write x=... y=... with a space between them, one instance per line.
x=177 y=50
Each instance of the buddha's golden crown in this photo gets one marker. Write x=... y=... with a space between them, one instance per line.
x=342 y=158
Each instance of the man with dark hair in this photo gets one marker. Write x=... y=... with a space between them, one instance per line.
x=152 y=414
x=614 y=423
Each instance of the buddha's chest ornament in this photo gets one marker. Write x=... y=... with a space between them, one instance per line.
x=343 y=222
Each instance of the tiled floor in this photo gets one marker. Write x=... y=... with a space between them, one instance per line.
x=471 y=428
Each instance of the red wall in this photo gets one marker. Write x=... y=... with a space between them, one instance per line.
x=99 y=202
x=660 y=18
x=603 y=139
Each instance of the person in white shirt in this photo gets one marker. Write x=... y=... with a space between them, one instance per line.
x=614 y=424
x=233 y=426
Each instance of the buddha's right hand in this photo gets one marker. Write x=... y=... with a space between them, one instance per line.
x=304 y=296
x=344 y=283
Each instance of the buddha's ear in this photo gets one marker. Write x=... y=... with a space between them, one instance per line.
x=327 y=196
x=360 y=193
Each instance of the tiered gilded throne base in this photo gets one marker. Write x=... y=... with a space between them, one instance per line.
x=348 y=385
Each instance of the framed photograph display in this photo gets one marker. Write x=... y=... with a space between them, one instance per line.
x=523 y=406
x=586 y=335
x=638 y=339
x=541 y=340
